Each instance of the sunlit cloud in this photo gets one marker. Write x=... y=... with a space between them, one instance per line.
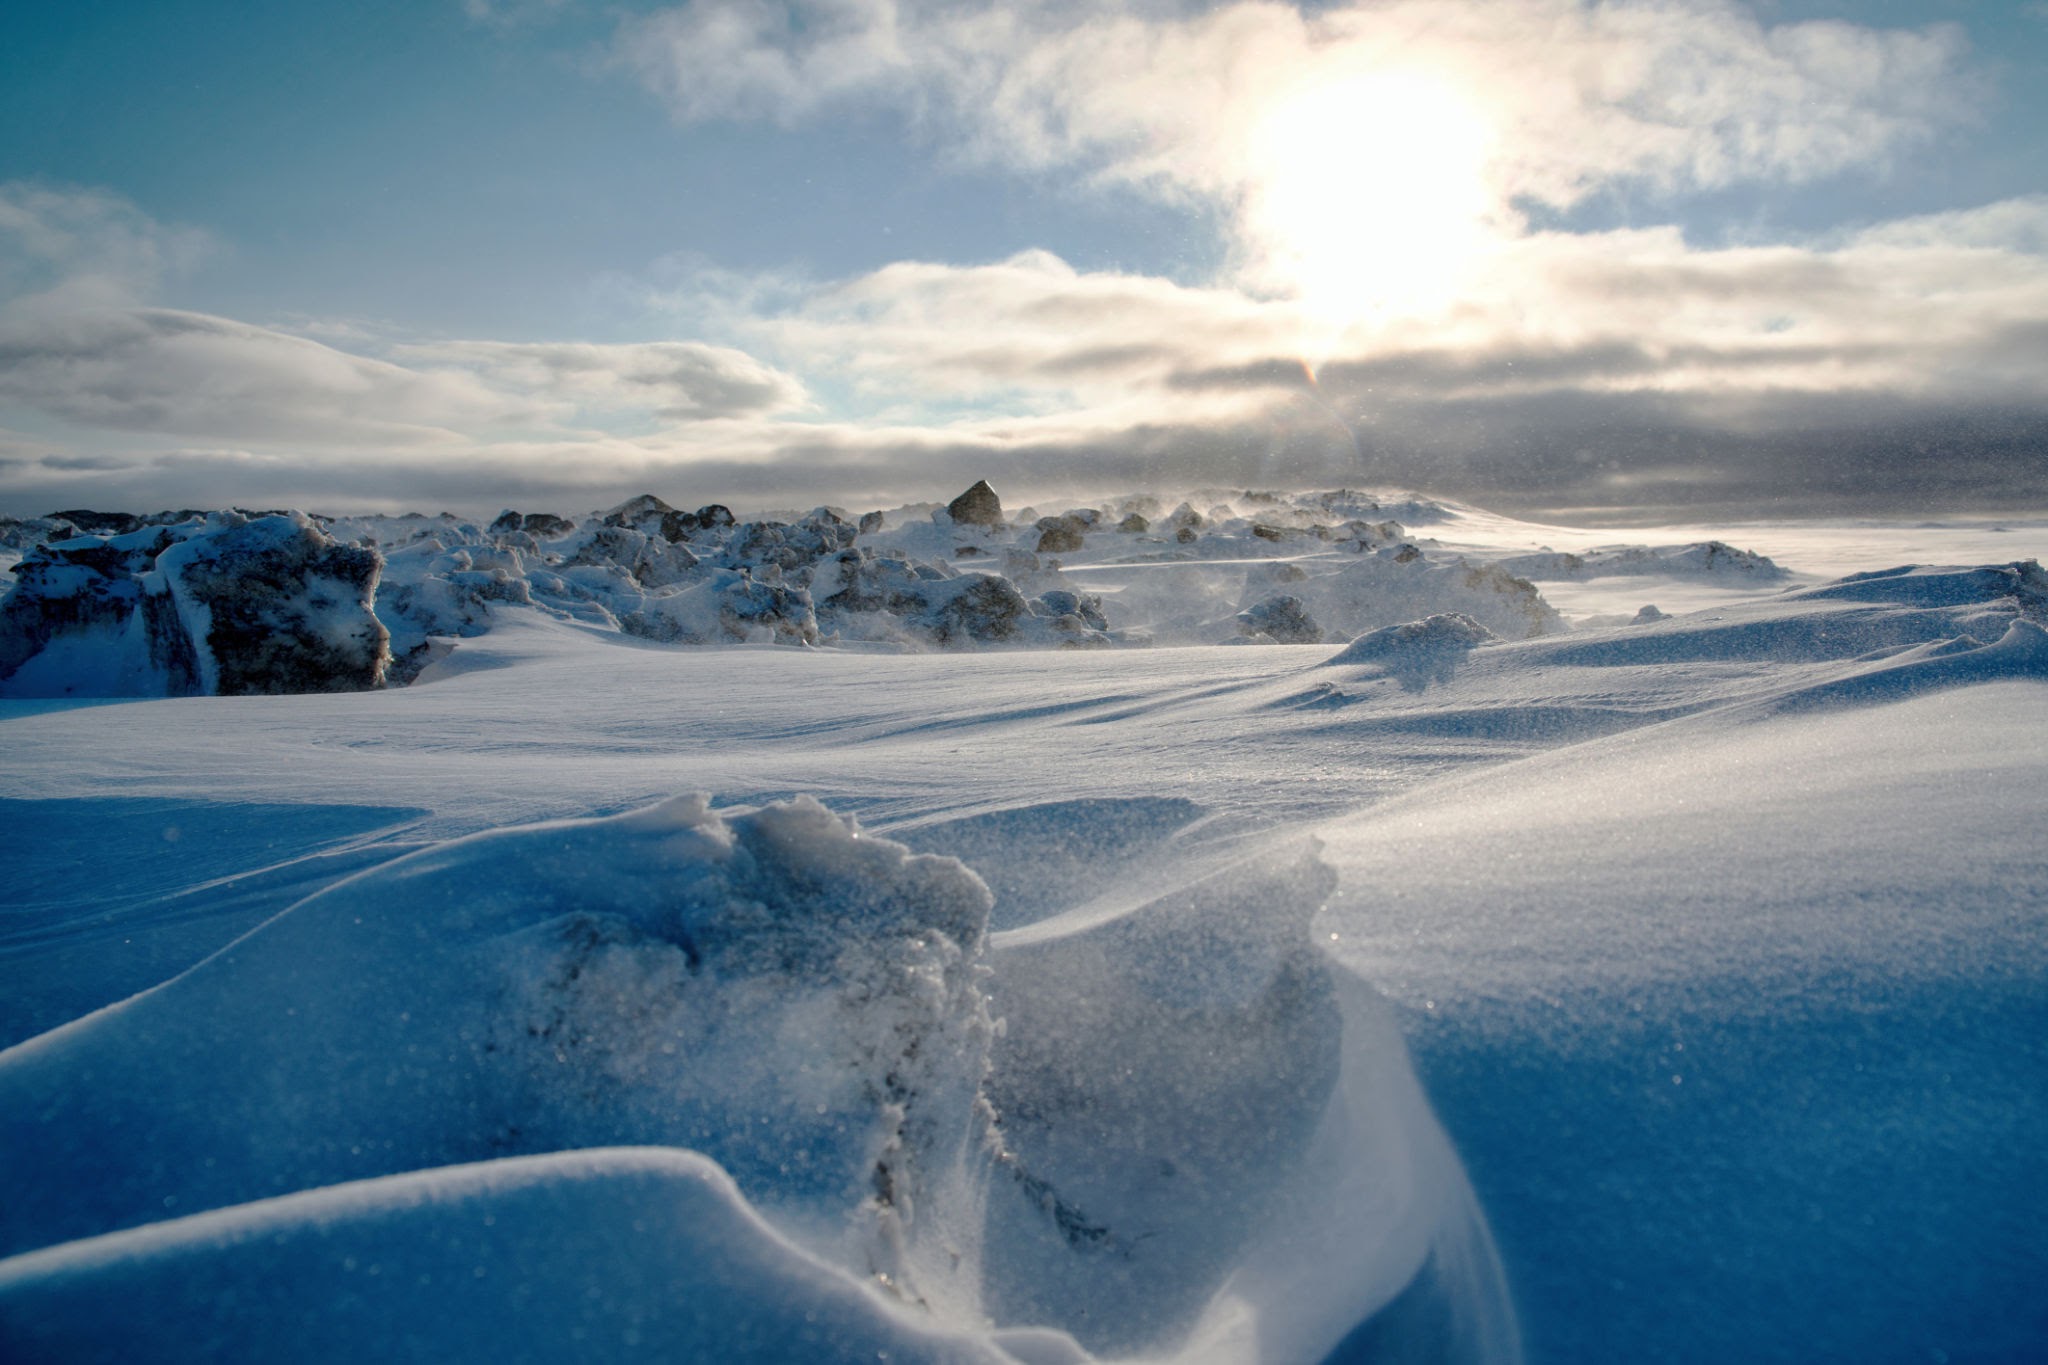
x=1366 y=155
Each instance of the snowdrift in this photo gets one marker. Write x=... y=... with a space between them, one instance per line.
x=1190 y=1136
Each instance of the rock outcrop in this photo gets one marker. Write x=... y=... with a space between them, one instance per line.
x=227 y=606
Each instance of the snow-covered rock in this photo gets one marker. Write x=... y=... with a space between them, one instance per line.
x=725 y=606
x=539 y=525
x=1282 y=619
x=227 y=606
x=276 y=605
x=650 y=560
x=889 y=598
x=1448 y=631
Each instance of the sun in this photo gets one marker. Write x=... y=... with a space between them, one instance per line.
x=1367 y=194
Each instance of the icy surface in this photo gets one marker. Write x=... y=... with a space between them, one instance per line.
x=1718 y=941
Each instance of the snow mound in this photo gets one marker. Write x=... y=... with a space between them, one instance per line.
x=608 y=1254
x=1193 y=1136
x=228 y=606
x=2023 y=584
x=1444 y=632
x=770 y=987
x=1398 y=584
x=1710 y=557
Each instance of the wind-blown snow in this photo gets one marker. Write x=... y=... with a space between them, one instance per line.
x=1717 y=942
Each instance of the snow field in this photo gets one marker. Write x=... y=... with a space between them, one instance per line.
x=1717 y=942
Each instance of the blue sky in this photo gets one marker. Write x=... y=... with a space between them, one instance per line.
x=473 y=253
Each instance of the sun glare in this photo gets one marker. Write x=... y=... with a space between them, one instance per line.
x=1368 y=194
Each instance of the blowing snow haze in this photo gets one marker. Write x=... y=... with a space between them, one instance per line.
x=1606 y=261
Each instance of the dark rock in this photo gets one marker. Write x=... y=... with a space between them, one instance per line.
x=634 y=512
x=1059 y=535
x=1060 y=602
x=984 y=608
x=978 y=506
x=1134 y=525
x=100 y=523
x=544 y=525
x=288 y=608
x=870 y=523
x=1283 y=619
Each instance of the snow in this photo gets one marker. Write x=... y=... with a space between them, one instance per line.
x=1189 y=1003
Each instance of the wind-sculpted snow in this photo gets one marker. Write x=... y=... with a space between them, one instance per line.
x=604 y=1254
x=1190 y=1135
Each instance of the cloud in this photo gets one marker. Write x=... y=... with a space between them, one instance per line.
x=1348 y=129
x=675 y=380
x=189 y=374
x=65 y=247
x=505 y=14
x=1946 y=307
x=1626 y=369
x=758 y=59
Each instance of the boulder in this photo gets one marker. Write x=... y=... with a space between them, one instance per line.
x=1282 y=619
x=1059 y=535
x=978 y=506
x=275 y=605
x=229 y=606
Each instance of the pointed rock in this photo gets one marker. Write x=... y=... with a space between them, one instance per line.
x=979 y=505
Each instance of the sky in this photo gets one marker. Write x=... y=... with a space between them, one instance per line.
x=1600 y=261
